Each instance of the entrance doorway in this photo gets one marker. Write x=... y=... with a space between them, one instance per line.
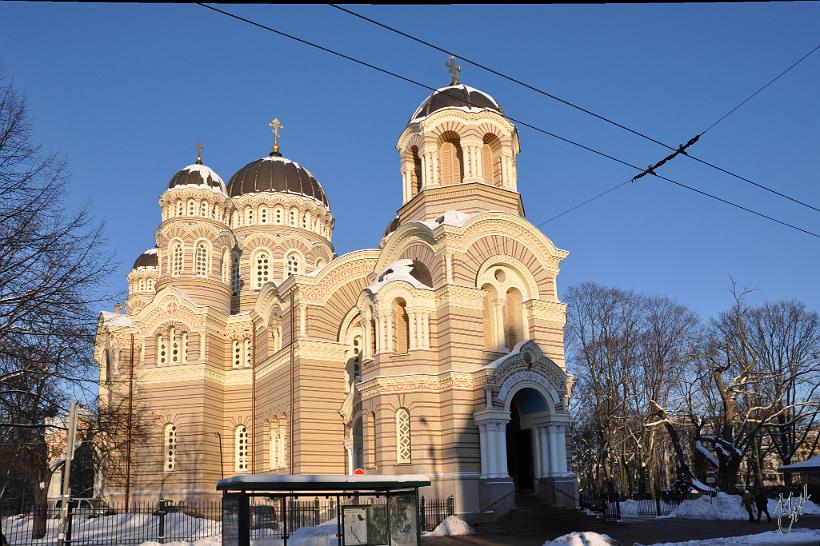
x=526 y=409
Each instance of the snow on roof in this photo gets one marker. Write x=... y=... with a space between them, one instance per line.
x=116 y=319
x=400 y=270
x=501 y=359
x=808 y=464
x=315 y=482
x=449 y=218
x=151 y=251
x=286 y=160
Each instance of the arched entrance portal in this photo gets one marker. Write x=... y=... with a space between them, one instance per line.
x=528 y=409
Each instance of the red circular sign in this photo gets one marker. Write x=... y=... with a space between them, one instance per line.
x=359 y=472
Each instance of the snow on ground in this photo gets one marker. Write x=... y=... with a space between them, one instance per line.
x=584 y=538
x=129 y=526
x=451 y=527
x=797 y=536
x=727 y=507
x=631 y=508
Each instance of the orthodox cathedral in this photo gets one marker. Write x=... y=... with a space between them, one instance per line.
x=255 y=348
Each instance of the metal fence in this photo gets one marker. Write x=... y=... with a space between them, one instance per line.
x=613 y=508
x=166 y=522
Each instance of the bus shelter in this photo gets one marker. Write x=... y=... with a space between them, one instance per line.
x=361 y=510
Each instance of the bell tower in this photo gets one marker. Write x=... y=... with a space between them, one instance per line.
x=458 y=152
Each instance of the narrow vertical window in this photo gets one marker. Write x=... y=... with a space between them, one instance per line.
x=305 y=220
x=248 y=353
x=249 y=214
x=184 y=347
x=273 y=453
x=191 y=208
x=263 y=215
x=162 y=351
x=141 y=285
x=235 y=279
x=292 y=265
x=237 y=354
x=241 y=451
x=174 y=346
x=176 y=252
x=402 y=436
x=170 y=447
x=401 y=333
x=277 y=215
x=203 y=209
x=201 y=260
x=292 y=220
x=281 y=441
x=180 y=208
x=262 y=269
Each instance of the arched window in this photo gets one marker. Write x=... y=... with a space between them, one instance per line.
x=170 y=447
x=180 y=208
x=249 y=216
x=201 y=260
x=292 y=217
x=263 y=215
x=141 y=285
x=278 y=213
x=320 y=263
x=358 y=444
x=237 y=354
x=450 y=160
x=162 y=351
x=203 y=209
x=491 y=160
x=176 y=252
x=213 y=213
x=150 y=284
x=403 y=437
x=373 y=336
x=292 y=264
x=513 y=318
x=191 y=207
x=415 y=173
x=402 y=331
x=172 y=335
x=248 y=353
x=262 y=268
x=236 y=283
x=241 y=449
x=374 y=444
x=305 y=220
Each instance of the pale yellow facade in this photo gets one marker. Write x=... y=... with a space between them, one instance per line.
x=257 y=349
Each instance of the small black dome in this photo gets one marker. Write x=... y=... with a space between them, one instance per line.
x=197 y=175
x=276 y=173
x=392 y=226
x=456 y=96
x=146 y=259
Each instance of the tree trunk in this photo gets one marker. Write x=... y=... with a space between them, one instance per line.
x=38 y=526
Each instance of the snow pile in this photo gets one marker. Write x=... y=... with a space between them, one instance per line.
x=632 y=508
x=797 y=536
x=728 y=507
x=450 y=217
x=583 y=538
x=451 y=527
x=320 y=535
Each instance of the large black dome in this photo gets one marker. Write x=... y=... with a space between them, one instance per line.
x=456 y=96
x=276 y=173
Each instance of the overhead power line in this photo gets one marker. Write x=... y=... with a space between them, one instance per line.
x=600 y=116
x=514 y=120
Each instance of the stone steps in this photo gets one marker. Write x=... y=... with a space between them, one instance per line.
x=532 y=516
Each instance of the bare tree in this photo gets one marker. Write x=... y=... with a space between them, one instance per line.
x=51 y=264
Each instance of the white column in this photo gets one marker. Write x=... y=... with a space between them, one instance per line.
x=448 y=261
x=562 y=449
x=412 y=343
x=499 y=324
x=389 y=332
x=536 y=447
x=546 y=470
x=378 y=334
x=553 y=434
x=482 y=432
x=349 y=451
x=480 y=162
x=425 y=180
x=425 y=330
x=502 y=449
x=492 y=451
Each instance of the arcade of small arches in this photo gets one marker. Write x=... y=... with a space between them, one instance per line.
x=443 y=153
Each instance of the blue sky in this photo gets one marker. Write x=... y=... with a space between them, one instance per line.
x=124 y=92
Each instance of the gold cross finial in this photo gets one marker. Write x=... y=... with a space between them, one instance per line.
x=454 y=70
x=275 y=124
x=199 y=153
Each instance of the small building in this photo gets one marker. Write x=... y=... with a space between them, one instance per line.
x=805 y=473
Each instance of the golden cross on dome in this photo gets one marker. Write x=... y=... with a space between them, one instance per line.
x=275 y=124
x=199 y=153
x=454 y=70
